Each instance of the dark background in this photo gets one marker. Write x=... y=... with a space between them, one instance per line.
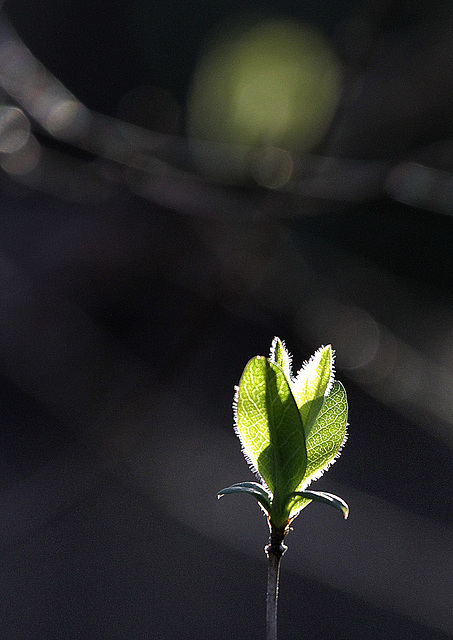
x=133 y=291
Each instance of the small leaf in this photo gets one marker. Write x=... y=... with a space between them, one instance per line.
x=253 y=488
x=311 y=385
x=269 y=425
x=280 y=355
x=326 y=439
x=326 y=498
x=328 y=434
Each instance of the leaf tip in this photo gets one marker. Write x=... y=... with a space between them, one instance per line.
x=343 y=507
x=276 y=342
x=280 y=356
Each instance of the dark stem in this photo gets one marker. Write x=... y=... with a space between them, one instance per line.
x=275 y=549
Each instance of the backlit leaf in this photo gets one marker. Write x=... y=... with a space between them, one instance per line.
x=311 y=384
x=279 y=354
x=269 y=425
x=291 y=430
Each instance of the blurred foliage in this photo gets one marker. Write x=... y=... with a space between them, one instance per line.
x=273 y=83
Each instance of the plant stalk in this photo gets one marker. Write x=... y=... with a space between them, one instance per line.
x=275 y=550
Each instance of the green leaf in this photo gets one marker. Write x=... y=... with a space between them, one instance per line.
x=326 y=439
x=279 y=355
x=269 y=425
x=326 y=498
x=291 y=430
x=311 y=385
x=252 y=488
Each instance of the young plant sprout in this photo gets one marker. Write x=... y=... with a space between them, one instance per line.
x=291 y=431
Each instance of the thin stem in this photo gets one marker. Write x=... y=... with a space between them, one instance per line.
x=275 y=549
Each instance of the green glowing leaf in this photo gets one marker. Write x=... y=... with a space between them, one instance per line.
x=252 y=488
x=291 y=430
x=279 y=355
x=327 y=435
x=325 y=440
x=311 y=384
x=269 y=425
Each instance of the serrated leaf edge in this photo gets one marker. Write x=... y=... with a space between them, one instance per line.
x=273 y=359
x=318 y=474
x=308 y=362
x=248 y=459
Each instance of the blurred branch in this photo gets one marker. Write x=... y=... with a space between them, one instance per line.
x=156 y=166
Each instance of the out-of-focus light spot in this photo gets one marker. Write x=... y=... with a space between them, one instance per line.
x=409 y=183
x=40 y=94
x=353 y=332
x=24 y=160
x=385 y=365
x=65 y=118
x=274 y=84
x=272 y=167
x=14 y=129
